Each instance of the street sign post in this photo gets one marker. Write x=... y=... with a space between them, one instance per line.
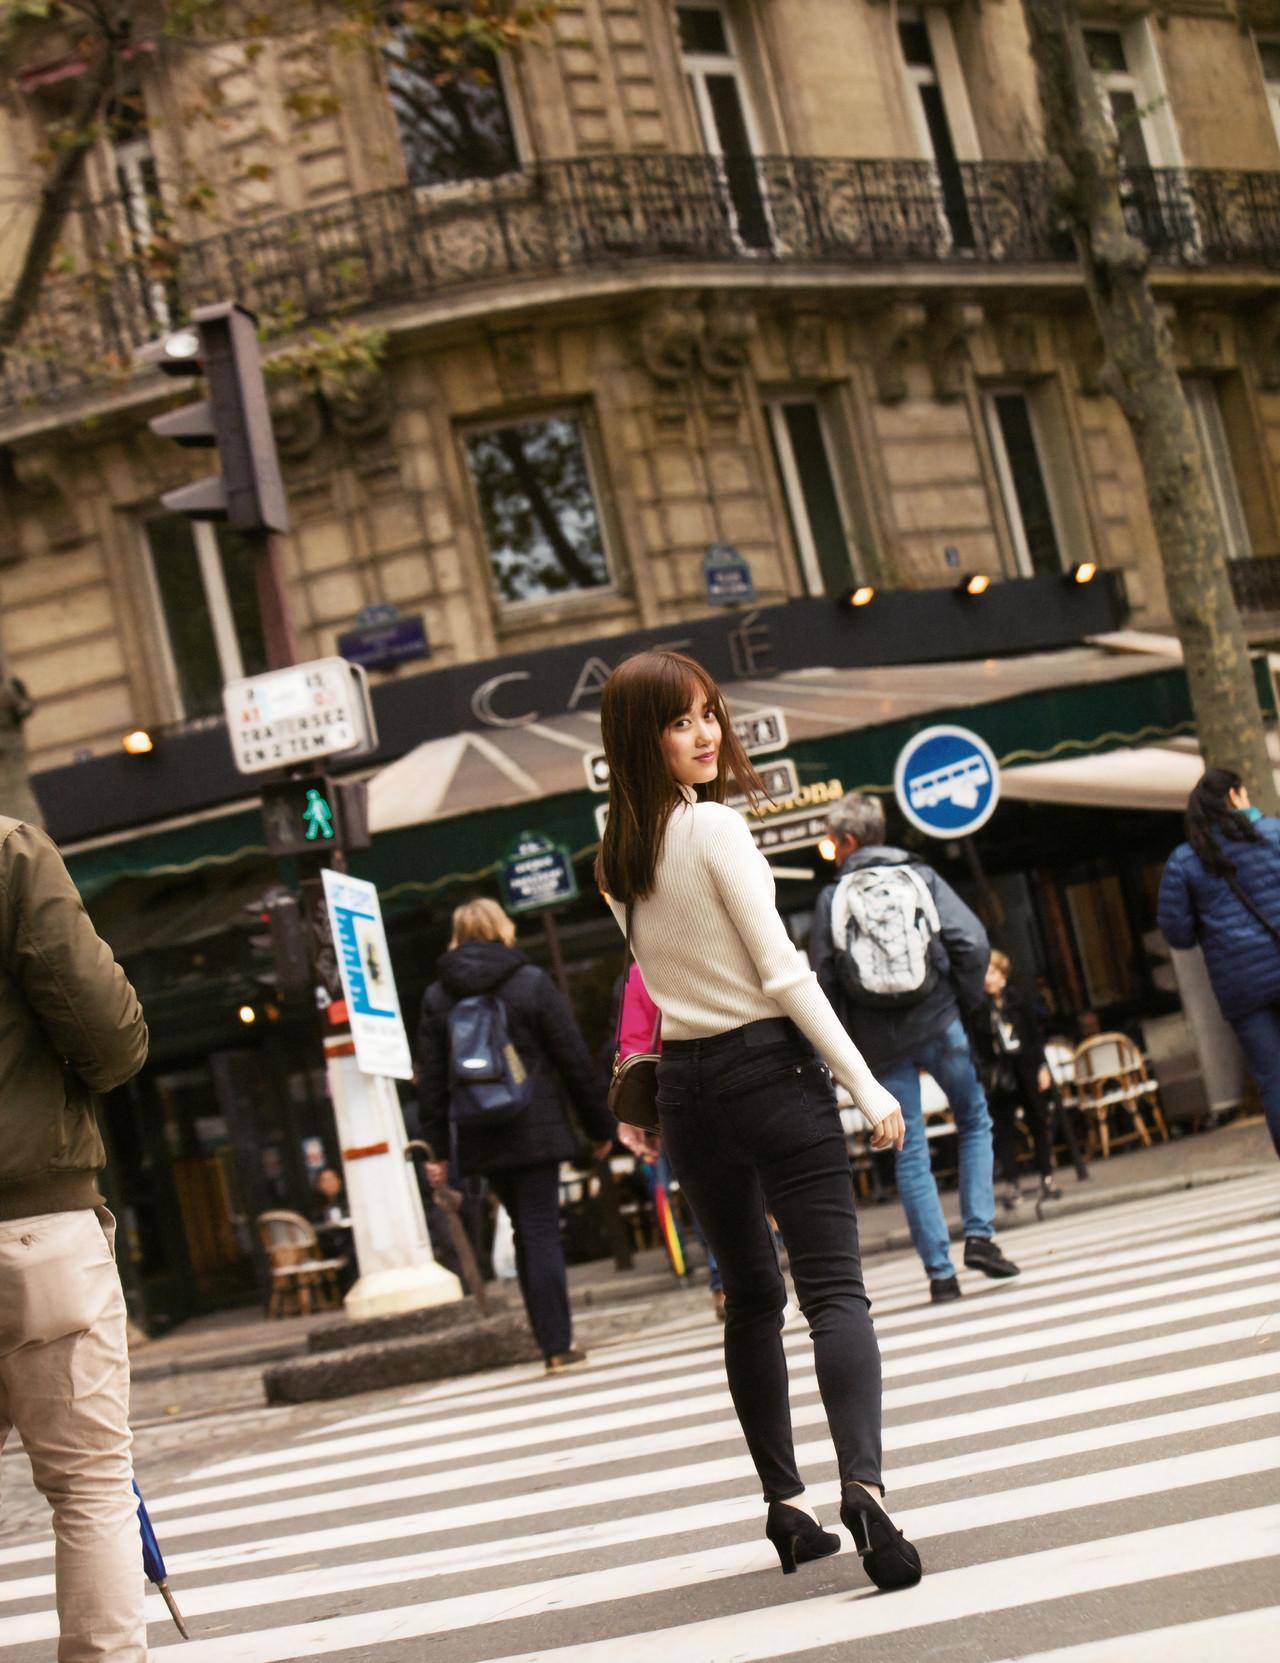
x=364 y=963
x=537 y=873
x=947 y=781
x=283 y=717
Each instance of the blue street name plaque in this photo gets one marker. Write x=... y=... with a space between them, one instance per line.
x=537 y=873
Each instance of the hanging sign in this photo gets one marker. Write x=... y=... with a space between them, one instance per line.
x=537 y=873
x=947 y=781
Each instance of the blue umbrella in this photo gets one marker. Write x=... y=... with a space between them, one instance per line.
x=153 y=1562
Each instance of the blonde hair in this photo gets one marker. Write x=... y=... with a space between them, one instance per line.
x=1001 y=962
x=481 y=920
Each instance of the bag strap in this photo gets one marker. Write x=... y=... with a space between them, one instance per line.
x=1246 y=900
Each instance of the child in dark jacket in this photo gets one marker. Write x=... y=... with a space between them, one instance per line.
x=1011 y=1056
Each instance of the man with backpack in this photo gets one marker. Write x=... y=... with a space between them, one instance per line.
x=900 y=957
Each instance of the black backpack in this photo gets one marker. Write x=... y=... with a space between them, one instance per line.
x=488 y=1082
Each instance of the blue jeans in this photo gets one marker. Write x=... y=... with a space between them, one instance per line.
x=950 y=1062
x=1259 y=1036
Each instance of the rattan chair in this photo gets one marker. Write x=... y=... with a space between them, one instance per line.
x=1111 y=1073
x=298 y=1273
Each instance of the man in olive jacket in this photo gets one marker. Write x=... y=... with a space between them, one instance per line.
x=70 y=1025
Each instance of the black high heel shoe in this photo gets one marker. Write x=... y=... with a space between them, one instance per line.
x=887 y=1556
x=797 y=1537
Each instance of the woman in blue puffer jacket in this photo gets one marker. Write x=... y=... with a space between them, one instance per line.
x=1221 y=891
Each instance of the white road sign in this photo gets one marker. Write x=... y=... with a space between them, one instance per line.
x=308 y=710
x=373 y=1005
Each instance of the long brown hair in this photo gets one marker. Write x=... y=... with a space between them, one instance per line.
x=641 y=698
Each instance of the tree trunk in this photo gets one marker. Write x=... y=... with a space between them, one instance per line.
x=1141 y=373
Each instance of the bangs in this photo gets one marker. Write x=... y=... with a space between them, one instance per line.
x=681 y=685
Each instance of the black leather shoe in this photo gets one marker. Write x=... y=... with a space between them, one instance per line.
x=985 y=1256
x=796 y=1537
x=945 y=1288
x=888 y=1558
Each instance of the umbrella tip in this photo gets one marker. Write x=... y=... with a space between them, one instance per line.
x=172 y=1603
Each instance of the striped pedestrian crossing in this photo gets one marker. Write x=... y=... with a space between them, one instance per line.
x=1088 y=1459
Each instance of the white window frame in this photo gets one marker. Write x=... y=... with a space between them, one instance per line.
x=947 y=75
x=569 y=597
x=1143 y=78
x=806 y=547
x=697 y=66
x=1201 y=394
x=1004 y=474
x=1271 y=86
x=217 y=601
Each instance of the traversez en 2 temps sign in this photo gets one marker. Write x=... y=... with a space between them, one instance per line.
x=308 y=710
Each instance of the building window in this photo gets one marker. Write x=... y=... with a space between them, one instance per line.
x=812 y=494
x=1024 y=482
x=538 y=507
x=453 y=117
x=1220 y=474
x=206 y=591
x=934 y=126
x=1269 y=56
x=725 y=116
x=137 y=183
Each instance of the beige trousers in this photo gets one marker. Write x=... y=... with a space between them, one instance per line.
x=64 y=1383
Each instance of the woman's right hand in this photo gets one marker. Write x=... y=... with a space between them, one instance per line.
x=889 y=1133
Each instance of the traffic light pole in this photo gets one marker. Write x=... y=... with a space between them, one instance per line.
x=277 y=626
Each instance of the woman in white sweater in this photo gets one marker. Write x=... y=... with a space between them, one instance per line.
x=749 y=1117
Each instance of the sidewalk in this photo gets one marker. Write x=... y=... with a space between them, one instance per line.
x=245 y=1339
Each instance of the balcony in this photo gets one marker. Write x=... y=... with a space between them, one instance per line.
x=610 y=212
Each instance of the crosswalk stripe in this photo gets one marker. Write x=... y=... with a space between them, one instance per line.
x=477 y=1421
x=631 y=1363
x=593 y=1428
x=661 y=1575
x=1129 y=1382
x=1240 y=1637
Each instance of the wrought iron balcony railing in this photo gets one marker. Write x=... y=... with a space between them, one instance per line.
x=408 y=243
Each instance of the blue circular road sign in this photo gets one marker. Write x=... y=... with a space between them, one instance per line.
x=947 y=781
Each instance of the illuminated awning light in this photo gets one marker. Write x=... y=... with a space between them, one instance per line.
x=827 y=848
x=863 y=595
x=974 y=583
x=138 y=743
x=247 y=1015
x=1084 y=571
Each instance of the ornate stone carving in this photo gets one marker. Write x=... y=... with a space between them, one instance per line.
x=725 y=343
x=805 y=335
x=1265 y=332
x=667 y=337
x=1020 y=338
x=1089 y=356
x=948 y=332
x=1206 y=338
x=31 y=489
x=895 y=333
x=296 y=417
x=360 y=404
x=515 y=358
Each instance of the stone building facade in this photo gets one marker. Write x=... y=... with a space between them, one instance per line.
x=772 y=274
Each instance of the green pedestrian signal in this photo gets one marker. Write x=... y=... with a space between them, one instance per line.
x=318 y=817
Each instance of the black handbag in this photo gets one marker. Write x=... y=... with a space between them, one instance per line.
x=633 y=1087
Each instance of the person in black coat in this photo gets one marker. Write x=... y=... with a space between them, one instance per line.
x=520 y=1158
x=1012 y=1061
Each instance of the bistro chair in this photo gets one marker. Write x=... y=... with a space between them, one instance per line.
x=298 y=1272
x=1111 y=1073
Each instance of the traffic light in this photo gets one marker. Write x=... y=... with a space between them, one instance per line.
x=312 y=814
x=222 y=345
x=291 y=973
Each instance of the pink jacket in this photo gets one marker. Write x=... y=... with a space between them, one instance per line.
x=640 y=1028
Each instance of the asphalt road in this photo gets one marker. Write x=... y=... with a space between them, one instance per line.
x=1087 y=1457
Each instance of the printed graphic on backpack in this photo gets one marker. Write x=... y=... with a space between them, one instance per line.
x=883 y=924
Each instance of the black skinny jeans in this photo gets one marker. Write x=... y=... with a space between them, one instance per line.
x=1004 y=1106
x=750 y=1122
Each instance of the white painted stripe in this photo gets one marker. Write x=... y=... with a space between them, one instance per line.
x=1241 y=1637
x=972 y=1513
x=775 y=1631
x=435 y=1432
x=683 y=1522
x=438 y=1445
x=462 y=1394
x=403 y=1526
x=577 y=1457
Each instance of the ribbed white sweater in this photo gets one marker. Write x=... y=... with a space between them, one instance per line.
x=715 y=954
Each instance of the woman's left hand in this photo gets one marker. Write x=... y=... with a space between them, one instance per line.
x=645 y=1146
x=889 y=1133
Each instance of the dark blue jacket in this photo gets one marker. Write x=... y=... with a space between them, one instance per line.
x=546 y=1036
x=961 y=954
x=1199 y=908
